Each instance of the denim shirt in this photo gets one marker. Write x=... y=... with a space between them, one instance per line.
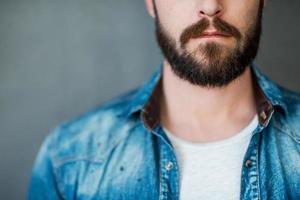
x=120 y=151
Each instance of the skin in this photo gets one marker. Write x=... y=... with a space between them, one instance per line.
x=231 y=107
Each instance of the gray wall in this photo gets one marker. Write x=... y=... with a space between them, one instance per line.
x=60 y=58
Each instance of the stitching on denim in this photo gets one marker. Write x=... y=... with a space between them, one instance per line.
x=164 y=174
x=176 y=168
x=72 y=159
x=160 y=182
x=257 y=165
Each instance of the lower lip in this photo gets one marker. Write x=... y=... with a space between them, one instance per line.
x=213 y=36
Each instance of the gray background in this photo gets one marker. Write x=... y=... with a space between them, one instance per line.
x=60 y=58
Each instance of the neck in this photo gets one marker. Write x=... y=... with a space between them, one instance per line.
x=204 y=114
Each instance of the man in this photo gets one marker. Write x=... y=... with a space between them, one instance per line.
x=207 y=125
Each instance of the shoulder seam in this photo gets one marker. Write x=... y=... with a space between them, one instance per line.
x=292 y=95
x=288 y=132
x=289 y=93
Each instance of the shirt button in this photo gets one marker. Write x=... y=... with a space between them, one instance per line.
x=169 y=166
x=248 y=163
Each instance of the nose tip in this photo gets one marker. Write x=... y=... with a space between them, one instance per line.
x=210 y=14
x=210 y=8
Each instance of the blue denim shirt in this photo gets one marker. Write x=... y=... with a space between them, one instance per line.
x=119 y=151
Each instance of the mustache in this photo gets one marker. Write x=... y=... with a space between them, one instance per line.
x=198 y=28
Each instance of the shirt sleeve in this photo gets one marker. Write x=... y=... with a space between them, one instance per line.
x=43 y=182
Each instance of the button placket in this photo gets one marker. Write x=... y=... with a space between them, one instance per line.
x=169 y=181
x=166 y=166
x=250 y=173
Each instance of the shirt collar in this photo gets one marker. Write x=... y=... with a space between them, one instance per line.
x=270 y=90
x=146 y=99
x=145 y=92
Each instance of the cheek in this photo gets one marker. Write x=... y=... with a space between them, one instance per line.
x=246 y=12
x=175 y=17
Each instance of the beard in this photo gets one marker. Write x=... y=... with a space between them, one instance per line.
x=217 y=65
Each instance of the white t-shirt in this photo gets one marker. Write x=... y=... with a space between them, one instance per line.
x=212 y=171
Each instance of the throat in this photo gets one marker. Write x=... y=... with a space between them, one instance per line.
x=204 y=115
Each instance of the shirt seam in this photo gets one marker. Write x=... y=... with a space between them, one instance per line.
x=287 y=131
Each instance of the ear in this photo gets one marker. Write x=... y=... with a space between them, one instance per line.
x=150 y=7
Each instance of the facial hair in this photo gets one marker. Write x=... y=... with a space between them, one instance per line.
x=218 y=65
